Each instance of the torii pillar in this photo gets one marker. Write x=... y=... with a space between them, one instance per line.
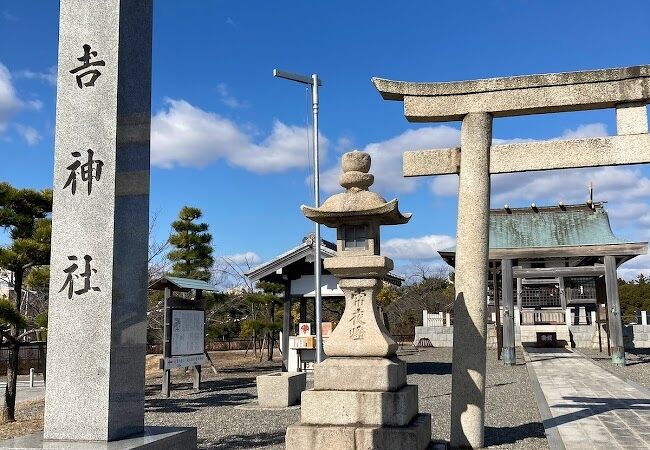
x=476 y=103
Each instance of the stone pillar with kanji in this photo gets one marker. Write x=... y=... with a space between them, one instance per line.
x=97 y=324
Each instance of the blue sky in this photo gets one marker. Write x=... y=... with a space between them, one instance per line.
x=231 y=139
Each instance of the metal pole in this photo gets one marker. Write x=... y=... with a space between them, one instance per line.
x=317 y=258
x=314 y=82
x=497 y=307
x=166 y=383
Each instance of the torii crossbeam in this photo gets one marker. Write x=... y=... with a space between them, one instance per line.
x=476 y=103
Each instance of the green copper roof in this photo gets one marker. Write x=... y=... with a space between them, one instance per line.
x=551 y=227
x=183 y=284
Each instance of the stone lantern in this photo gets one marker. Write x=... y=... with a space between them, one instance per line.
x=360 y=398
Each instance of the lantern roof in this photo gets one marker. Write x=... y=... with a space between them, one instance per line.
x=357 y=204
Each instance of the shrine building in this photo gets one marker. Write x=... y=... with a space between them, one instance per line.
x=557 y=254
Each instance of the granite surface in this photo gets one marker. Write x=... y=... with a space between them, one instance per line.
x=468 y=392
x=153 y=438
x=95 y=388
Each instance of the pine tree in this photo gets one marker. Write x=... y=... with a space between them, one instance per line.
x=24 y=213
x=192 y=253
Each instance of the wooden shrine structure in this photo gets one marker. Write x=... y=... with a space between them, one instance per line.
x=295 y=270
x=553 y=265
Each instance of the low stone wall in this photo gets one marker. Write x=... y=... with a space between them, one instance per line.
x=438 y=336
x=580 y=336
x=636 y=336
x=528 y=333
x=586 y=336
x=444 y=336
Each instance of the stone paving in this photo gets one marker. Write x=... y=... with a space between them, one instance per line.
x=588 y=407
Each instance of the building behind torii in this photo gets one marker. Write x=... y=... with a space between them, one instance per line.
x=552 y=266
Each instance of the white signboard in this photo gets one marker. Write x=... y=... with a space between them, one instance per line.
x=187 y=333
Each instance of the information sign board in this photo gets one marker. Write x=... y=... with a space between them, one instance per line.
x=187 y=332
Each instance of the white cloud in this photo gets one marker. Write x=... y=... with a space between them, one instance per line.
x=34 y=104
x=247 y=259
x=228 y=99
x=445 y=185
x=29 y=134
x=6 y=15
x=615 y=184
x=10 y=104
x=387 y=158
x=344 y=144
x=631 y=269
x=585 y=131
x=185 y=135
x=49 y=76
x=231 y=22
x=570 y=185
x=417 y=248
x=533 y=185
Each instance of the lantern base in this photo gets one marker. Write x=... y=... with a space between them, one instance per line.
x=415 y=436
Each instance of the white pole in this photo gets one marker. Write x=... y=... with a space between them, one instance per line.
x=314 y=82
x=31 y=377
x=317 y=258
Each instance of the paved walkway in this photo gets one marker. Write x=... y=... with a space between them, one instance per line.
x=24 y=393
x=583 y=406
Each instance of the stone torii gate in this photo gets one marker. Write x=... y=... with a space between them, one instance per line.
x=476 y=103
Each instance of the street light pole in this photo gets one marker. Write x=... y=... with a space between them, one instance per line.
x=314 y=82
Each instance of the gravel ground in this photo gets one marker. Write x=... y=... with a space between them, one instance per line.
x=211 y=411
x=512 y=420
x=637 y=368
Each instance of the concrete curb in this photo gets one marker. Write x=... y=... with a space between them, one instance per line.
x=552 y=434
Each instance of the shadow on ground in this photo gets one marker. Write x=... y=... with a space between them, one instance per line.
x=428 y=368
x=633 y=357
x=510 y=435
x=213 y=393
x=239 y=441
x=593 y=406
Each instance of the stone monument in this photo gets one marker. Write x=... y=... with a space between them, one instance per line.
x=476 y=103
x=360 y=398
x=97 y=305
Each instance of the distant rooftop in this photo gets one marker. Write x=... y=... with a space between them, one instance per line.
x=181 y=284
x=552 y=227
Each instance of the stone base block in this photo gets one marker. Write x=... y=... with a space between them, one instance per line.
x=154 y=438
x=360 y=374
x=415 y=436
x=314 y=437
x=280 y=389
x=355 y=407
